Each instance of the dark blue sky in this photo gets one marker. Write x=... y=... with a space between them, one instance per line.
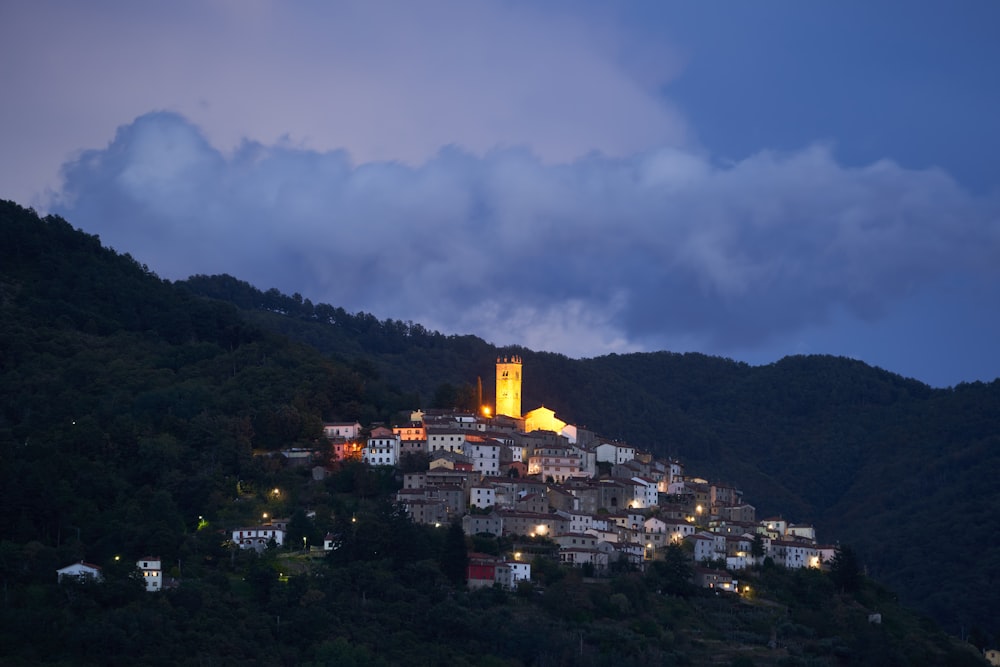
x=743 y=179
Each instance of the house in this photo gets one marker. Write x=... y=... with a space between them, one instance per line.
x=482 y=495
x=615 y=453
x=557 y=461
x=743 y=513
x=718 y=579
x=579 y=522
x=258 y=538
x=531 y=523
x=793 y=555
x=475 y=524
x=423 y=510
x=152 y=573
x=482 y=570
x=579 y=556
x=412 y=438
x=645 y=492
x=344 y=430
x=707 y=548
x=80 y=572
x=803 y=532
x=446 y=439
x=382 y=448
x=774 y=526
x=509 y=574
x=344 y=450
x=484 y=454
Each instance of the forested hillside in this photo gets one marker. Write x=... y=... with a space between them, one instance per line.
x=881 y=461
x=132 y=406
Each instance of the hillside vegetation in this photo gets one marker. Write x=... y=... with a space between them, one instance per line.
x=131 y=408
x=901 y=470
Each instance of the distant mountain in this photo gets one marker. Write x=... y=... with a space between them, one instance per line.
x=125 y=395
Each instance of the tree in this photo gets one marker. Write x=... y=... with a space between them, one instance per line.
x=455 y=556
x=672 y=574
x=757 y=548
x=845 y=569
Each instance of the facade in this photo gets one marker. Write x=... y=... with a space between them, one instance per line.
x=543 y=419
x=615 y=453
x=258 y=538
x=793 y=555
x=80 y=572
x=474 y=524
x=345 y=430
x=382 y=448
x=482 y=496
x=556 y=461
x=509 y=386
x=152 y=573
x=717 y=579
x=484 y=454
x=446 y=439
x=509 y=574
x=645 y=493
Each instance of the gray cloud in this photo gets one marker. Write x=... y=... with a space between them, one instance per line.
x=387 y=80
x=661 y=249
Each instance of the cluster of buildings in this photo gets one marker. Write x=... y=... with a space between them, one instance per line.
x=150 y=568
x=599 y=500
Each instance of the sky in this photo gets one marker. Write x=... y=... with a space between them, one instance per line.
x=749 y=180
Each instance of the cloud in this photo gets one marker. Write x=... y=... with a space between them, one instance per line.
x=653 y=250
x=387 y=80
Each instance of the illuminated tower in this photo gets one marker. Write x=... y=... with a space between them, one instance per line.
x=509 y=386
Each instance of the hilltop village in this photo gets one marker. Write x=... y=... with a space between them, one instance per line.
x=599 y=502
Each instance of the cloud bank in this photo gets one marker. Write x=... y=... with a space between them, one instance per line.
x=663 y=249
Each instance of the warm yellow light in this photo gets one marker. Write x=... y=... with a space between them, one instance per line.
x=698 y=509
x=517 y=555
x=541 y=529
x=486 y=411
x=276 y=492
x=264 y=515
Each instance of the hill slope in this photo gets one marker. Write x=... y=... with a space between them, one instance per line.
x=124 y=395
x=886 y=463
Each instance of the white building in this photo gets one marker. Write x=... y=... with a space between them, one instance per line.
x=646 y=493
x=615 y=453
x=258 y=538
x=484 y=454
x=152 y=573
x=446 y=440
x=579 y=522
x=345 y=430
x=510 y=573
x=81 y=572
x=794 y=555
x=482 y=496
x=382 y=448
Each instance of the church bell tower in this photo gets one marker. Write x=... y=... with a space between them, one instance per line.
x=509 y=386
